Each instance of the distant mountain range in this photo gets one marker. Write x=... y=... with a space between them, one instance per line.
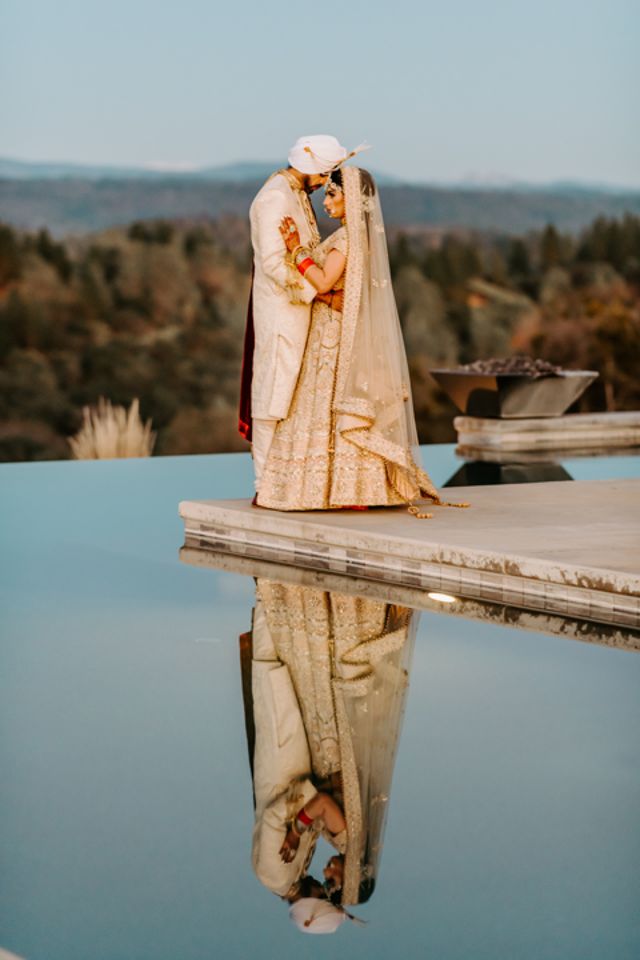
x=241 y=172
x=251 y=170
x=76 y=198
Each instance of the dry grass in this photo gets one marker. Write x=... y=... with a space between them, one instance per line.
x=110 y=432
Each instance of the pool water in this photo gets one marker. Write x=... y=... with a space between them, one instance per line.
x=508 y=775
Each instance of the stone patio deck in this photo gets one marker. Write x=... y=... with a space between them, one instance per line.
x=565 y=548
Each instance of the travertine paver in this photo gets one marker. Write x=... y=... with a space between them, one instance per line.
x=572 y=543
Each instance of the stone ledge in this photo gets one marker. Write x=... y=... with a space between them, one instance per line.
x=564 y=545
x=581 y=431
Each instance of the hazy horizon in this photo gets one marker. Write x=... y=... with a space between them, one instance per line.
x=484 y=180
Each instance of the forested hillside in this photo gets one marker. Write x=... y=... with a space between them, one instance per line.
x=156 y=310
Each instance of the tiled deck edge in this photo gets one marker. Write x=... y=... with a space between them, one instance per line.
x=199 y=552
x=263 y=525
x=521 y=591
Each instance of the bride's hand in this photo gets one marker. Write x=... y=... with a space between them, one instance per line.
x=333 y=299
x=290 y=234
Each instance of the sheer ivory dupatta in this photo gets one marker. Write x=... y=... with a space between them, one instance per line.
x=373 y=404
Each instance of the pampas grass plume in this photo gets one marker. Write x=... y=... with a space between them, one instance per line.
x=108 y=432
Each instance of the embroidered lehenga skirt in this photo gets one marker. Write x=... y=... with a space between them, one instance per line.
x=310 y=466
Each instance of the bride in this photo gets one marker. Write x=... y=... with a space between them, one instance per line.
x=350 y=438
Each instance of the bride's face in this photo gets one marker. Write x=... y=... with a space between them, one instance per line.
x=334 y=202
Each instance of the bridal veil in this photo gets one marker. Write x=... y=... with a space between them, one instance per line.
x=373 y=404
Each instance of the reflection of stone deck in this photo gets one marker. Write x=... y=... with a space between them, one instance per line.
x=567 y=548
x=500 y=614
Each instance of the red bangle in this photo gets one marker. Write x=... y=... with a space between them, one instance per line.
x=305 y=818
x=304 y=265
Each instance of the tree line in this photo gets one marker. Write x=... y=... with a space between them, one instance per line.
x=156 y=310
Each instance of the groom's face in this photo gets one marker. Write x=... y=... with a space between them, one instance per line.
x=314 y=181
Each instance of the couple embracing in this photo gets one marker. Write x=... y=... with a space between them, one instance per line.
x=325 y=397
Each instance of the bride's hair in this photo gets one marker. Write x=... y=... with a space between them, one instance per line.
x=367 y=184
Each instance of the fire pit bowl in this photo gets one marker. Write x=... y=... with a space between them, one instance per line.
x=513 y=395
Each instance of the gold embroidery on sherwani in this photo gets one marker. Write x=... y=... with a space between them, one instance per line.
x=294 y=280
x=305 y=203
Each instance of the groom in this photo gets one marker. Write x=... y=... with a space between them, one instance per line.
x=280 y=305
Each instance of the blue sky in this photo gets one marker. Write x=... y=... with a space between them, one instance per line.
x=531 y=91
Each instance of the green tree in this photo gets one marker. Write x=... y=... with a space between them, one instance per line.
x=518 y=263
x=23 y=323
x=139 y=231
x=108 y=259
x=160 y=231
x=10 y=260
x=55 y=254
x=195 y=238
x=163 y=232
x=550 y=247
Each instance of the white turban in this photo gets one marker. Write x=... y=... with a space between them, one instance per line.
x=312 y=915
x=316 y=154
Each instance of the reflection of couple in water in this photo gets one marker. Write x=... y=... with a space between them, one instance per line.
x=328 y=677
x=315 y=904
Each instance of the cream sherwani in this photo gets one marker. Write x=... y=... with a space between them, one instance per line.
x=281 y=297
x=282 y=764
